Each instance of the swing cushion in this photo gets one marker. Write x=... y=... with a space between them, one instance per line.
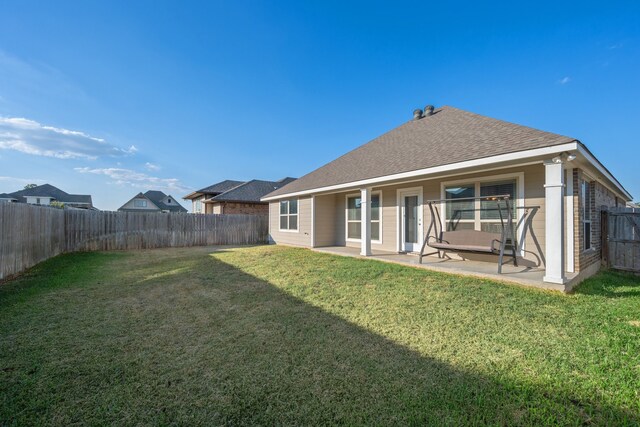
x=468 y=241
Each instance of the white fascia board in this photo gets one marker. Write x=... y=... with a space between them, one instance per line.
x=520 y=155
x=599 y=166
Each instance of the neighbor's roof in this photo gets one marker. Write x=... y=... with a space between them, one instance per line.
x=220 y=187
x=48 y=190
x=251 y=191
x=157 y=198
x=448 y=136
x=214 y=189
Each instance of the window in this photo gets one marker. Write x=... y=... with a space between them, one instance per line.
x=586 y=213
x=169 y=201
x=289 y=215
x=198 y=206
x=482 y=215
x=140 y=203
x=38 y=200
x=460 y=215
x=354 y=217
x=490 y=211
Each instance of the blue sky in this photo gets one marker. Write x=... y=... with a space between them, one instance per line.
x=111 y=98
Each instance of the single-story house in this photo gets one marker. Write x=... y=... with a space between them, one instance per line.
x=8 y=198
x=45 y=195
x=152 y=201
x=380 y=196
x=235 y=197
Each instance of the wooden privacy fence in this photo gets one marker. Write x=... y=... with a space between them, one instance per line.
x=621 y=239
x=31 y=234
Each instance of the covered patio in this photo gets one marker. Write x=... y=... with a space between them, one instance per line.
x=528 y=276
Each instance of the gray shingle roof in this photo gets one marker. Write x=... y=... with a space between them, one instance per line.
x=251 y=191
x=214 y=189
x=157 y=196
x=220 y=187
x=448 y=136
x=48 y=190
x=77 y=198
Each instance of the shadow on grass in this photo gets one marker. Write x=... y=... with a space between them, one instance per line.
x=220 y=346
x=611 y=284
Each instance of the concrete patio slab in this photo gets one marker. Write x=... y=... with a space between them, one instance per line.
x=527 y=276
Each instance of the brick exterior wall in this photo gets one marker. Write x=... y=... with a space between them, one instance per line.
x=230 y=208
x=577 y=220
x=601 y=198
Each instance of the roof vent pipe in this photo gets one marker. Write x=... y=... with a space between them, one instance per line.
x=417 y=114
x=428 y=110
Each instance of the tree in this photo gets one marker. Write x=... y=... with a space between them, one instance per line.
x=28 y=186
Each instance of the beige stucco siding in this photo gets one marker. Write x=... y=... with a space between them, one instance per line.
x=533 y=176
x=389 y=220
x=340 y=217
x=301 y=237
x=330 y=220
x=534 y=229
x=324 y=224
x=131 y=205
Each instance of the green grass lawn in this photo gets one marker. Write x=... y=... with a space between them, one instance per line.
x=274 y=335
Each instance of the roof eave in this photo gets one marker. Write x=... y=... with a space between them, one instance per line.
x=517 y=156
x=259 y=202
x=484 y=161
x=584 y=151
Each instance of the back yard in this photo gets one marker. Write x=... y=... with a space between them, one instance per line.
x=274 y=335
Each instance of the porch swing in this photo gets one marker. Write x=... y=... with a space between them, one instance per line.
x=472 y=240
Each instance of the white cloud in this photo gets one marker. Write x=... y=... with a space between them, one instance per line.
x=30 y=137
x=131 y=178
x=564 y=80
x=151 y=167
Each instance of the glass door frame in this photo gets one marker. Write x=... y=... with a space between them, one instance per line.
x=400 y=203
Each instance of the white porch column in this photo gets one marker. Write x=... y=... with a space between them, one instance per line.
x=313 y=221
x=554 y=221
x=365 y=211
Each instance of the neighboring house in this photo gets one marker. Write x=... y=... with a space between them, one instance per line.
x=556 y=184
x=200 y=196
x=46 y=194
x=7 y=198
x=235 y=197
x=152 y=201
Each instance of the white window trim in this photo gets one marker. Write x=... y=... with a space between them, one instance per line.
x=297 y=229
x=346 y=217
x=197 y=205
x=520 y=201
x=588 y=180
